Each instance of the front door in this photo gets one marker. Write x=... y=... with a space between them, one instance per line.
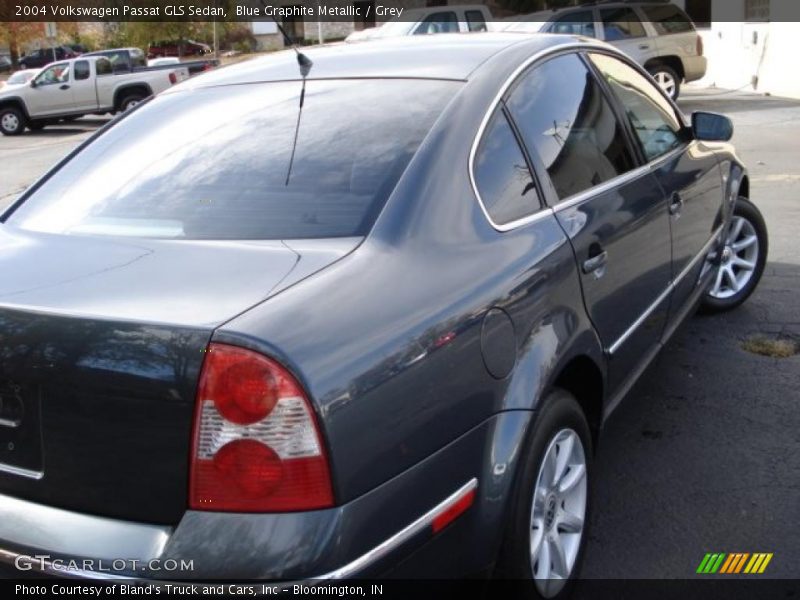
x=686 y=170
x=612 y=210
x=53 y=92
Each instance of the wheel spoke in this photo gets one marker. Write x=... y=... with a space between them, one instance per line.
x=718 y=281
x=570 y=523
x=537 y=537
x=743 y=264
x=571 y=478
x=562 y=458
x=731 y=277
x=736 y=229
x=543 y=570
x=750 y=240
x=558 y=558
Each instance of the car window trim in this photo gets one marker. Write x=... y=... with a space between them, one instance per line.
x=561 y=204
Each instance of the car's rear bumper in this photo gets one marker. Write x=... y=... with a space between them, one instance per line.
x=694 y=67
x=368 y=537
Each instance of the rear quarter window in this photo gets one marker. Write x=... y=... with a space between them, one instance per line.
x=668 y=19
x=221 y=163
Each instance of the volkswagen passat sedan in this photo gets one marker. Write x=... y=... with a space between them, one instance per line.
x=360 y=323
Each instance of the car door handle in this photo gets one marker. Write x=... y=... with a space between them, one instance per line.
x=675 y=204
x=64 y=87
x=594 y=263
x=644 y=46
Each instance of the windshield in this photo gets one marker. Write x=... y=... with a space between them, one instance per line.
x=214 y=163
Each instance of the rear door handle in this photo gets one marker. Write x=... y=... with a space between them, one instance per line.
x=64 y=87
x=595 y=263
x=675 y=204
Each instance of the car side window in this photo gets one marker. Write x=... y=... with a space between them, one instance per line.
x=439 y=22
x=575 y=23
x=668 y=19
x=81 y=70
x=103 y=67
x=58 y=73
x=565 y=119
x=502 y=176
x=653 y=119
x=475 y=20
x=621 y=24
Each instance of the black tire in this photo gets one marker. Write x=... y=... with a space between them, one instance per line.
x=36 y=125
x=12 y=121
x=23 y=66
x=726 y=299
x=659 y=69
x=129 y=102
x=560 y=411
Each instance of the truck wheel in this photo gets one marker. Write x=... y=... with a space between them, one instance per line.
x=739 y=269
x=547 y=528
x=12 y=121
x=128 y=102
x=667 y=79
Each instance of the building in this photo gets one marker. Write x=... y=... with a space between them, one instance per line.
x=750 y=44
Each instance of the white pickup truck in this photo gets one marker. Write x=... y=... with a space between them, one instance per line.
x=69 y=89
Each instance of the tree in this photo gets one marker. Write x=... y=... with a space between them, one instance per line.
x=15 y=33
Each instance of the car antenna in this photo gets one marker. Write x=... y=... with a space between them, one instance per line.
x=305 y=65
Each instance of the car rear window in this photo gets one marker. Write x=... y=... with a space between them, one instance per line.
x=219 y=163
x=668 y=19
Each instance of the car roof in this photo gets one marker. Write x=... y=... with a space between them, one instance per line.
x=440 y=56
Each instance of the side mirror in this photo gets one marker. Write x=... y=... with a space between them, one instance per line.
x=33 y=83
x=711 y=127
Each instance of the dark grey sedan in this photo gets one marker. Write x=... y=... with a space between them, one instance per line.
x=360 y=323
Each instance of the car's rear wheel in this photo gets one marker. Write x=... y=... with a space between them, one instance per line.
x=12 y=121
x=667 y=79
x=740 y=266
x=548 y=524
x=128 y=102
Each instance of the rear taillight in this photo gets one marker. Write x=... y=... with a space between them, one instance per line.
x=700 y=48
x=257 y=447
x=173 y=78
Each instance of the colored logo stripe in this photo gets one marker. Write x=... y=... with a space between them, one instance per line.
x=721 y=562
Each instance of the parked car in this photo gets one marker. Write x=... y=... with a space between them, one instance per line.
x=177 y=48
x=129 y=60
x=78 y=49
x=73 y=88
x=44 y=56
x=5 y=63
x=361 y=342
x=657 y=35
x=19 y=78
x=434 y=19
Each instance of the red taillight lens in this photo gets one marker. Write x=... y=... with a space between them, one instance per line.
x=700 y=48
x=256 y=446
x=173 y=79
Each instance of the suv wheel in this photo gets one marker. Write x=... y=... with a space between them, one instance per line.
x=548 y=524
x=667 y=79
x=12 y=121
x=741 y=265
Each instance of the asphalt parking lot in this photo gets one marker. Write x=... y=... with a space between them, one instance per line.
x=703 y=454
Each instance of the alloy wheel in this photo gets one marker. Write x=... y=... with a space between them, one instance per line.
x=558 y=512
x=666 y=81
x=10 y=122
x=738 y=261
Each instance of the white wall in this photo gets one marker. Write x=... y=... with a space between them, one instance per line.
x=759 y=57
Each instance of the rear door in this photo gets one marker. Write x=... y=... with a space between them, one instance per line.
x=623 y=28
x=579 y=22
x=612 y=210
x=83 y=88
x=687 y=171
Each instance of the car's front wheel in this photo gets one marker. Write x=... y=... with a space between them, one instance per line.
x=12 y=121
x=548 y=524
x=741 y=264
